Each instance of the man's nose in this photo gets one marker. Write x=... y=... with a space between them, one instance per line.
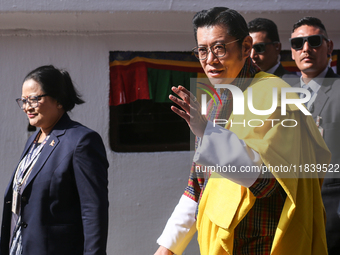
x=306 y=46
x=211 y=58
x=253 y=54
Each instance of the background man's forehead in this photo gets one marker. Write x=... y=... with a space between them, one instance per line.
x=309 y=28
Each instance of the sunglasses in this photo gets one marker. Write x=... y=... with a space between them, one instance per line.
x=314 y=41
x=261 y=47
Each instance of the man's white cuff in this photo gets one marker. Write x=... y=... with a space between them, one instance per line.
x=180 y=227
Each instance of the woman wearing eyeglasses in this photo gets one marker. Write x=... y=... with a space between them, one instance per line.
x=57 y=199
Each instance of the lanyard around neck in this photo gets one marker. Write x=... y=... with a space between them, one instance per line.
x=30 y=157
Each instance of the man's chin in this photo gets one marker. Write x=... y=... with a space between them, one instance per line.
x=221 y=80
x=309 y=69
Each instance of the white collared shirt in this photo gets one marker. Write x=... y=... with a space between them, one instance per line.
x=273 y=69
x=315 y=85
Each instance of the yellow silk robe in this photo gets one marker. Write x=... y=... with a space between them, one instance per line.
x=301 y=228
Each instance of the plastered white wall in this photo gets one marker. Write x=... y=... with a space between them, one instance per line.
x=78 y=35
x=144 y=187
x=163 y=5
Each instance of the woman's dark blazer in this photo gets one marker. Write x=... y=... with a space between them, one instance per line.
x=64 y=205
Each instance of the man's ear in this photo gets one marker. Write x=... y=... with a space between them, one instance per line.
x=278 y=47
x=247 y=45
x=330 y=47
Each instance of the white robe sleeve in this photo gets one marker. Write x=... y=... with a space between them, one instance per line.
x=223 y=152
x=180 y=227
x=219 y=147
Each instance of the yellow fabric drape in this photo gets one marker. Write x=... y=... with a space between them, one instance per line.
x=301 y=228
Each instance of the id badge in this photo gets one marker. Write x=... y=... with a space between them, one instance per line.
x=16 y=202
x=321 y=130
x=318 y=124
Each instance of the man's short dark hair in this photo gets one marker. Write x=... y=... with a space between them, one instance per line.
x=310 y=21
x=265 y=25
x=234 y=23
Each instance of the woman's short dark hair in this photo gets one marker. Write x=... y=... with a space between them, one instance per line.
x=57 y=84
x=235 y=24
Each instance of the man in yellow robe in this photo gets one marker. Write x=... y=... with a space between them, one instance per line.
x=230 y=208
x=297 y=152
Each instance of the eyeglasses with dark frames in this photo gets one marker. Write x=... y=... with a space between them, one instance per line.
x=314 y=41
x=261 y=47
x=32 y=101
x=217 y=49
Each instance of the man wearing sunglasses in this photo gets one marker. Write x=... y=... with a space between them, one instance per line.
x=311 y=49
x=266 y=46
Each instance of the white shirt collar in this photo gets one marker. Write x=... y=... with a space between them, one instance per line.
x=273 y=69
x=316 y=82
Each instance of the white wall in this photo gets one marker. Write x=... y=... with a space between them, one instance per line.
x=144 y=187
x=164 y=5
x=78 y=35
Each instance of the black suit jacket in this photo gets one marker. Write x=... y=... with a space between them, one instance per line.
x=327 y=106
x=281 y=71
x=64 y=205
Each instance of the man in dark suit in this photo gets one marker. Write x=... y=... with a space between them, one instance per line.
x=310 y=50
x=266 y=46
